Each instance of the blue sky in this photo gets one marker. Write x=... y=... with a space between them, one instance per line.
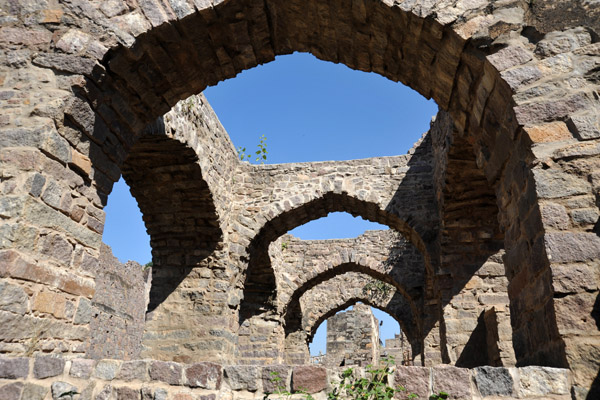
x=309 y=110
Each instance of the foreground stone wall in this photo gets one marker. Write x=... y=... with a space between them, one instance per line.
x=49 y=377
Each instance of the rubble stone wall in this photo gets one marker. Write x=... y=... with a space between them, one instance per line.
x=82 y=80
x=49 y=377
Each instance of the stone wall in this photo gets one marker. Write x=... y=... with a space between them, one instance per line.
x=50 y=377
x=353 y=338
x=81 y=81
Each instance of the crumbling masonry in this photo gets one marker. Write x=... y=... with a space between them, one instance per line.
x=493 y=215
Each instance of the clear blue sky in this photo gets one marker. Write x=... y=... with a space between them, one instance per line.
x=309 y=110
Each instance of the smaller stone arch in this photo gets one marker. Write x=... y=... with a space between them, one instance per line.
x=336 y=294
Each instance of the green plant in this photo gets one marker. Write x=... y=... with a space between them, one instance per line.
x=439 y=396
x=261 y=153
x=284 y=246
x=373 y=387
x=148 y=265
x=281 y=391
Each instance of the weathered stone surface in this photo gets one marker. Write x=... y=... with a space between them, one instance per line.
x=60 y=390
x=414 y=380
x=452 y=380
x=241 y=377
x=48 y=366
x=32 y=391
x=13 y=298
x=204 y=375
x=272 y=371
x=544 y=381
x=552 y=184
x=127 y=393
x=569 y=247
x=11 y=391
x=132 y=370
x=168 y=372
x=13 y=368
x=585 y=126
x=492 y=381
x=82 y=368
x=309 y=378
x=106 y=370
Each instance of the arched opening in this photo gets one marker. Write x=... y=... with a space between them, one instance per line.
x=143 y=81
x=363 y=335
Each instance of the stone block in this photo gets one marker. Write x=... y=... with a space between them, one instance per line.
x=134 y=370
x=82 y=368
x=126 y=393
x=14 y=368
x=272 y=371
x=493 y=381
x=554 y=216
x=586 y=127
x=50 y=303
x=543 y=381
x=553 y=184
x=168 y=372
x=11 y=391
x=61 y=390
x=242 y=377
x=452 y=380
x=32 y=391
x=204 y=375
x=570 y=247
x=309 y=378
x=106 y=370
x=48 y=366
x=414 y=380
x=84 y=312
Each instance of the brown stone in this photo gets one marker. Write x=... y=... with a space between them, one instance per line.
x=414 y=380
x=309 y=378
x=48 y=366
x=204 y=375
x=552 y=132
x=452 y=380
x=50 y=303
x=168 y=372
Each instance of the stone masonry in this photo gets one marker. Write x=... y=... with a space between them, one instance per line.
x=500 y=198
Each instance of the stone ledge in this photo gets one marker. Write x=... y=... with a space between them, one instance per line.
x=33 y=378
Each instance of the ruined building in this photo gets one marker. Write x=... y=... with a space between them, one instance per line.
x=493 y=215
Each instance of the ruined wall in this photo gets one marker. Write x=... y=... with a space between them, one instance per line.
x=82 y=80
x=353 y=338
x=45 y=377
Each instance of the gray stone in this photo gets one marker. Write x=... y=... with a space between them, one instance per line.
x=160 y=394
x=543 y=381
x=11 y=391
x=570 y=247
x=275 y=371
x=13 y=298
x=132 y=370
x=36 y=184
x=62 y=390
x=585 y=216
x=552 y=184
x=414 y=380
x=82 y=368
x=555 y=216
x=105 y=393
x=48 y=366
x=106 y=369
x=494 y=381
x=242 y=377
x=84 y=312
x=32 y=391
x=13 y=368
x=586 y=126
x=521 y=76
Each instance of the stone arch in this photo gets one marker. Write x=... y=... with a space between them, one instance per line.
x=337 y=293
x=177 y=207
x=260 y=283
x=470 y=61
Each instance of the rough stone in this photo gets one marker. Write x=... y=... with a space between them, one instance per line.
x=168 y=372
x=269 y=372
x=11 y=391
x=492 y=381
x=13 y=368
x=241 y=377
x=13 y=298
x=204 y=375
x=545 y=381
x=132 y=370
x=62 y=389
x=82 y=368
x=48 y=366
x=309 y=378
x=106 y=370
x=126 y=393
x=414 y=380
x=452 y=380
x=32 y=391
x=570 y=247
